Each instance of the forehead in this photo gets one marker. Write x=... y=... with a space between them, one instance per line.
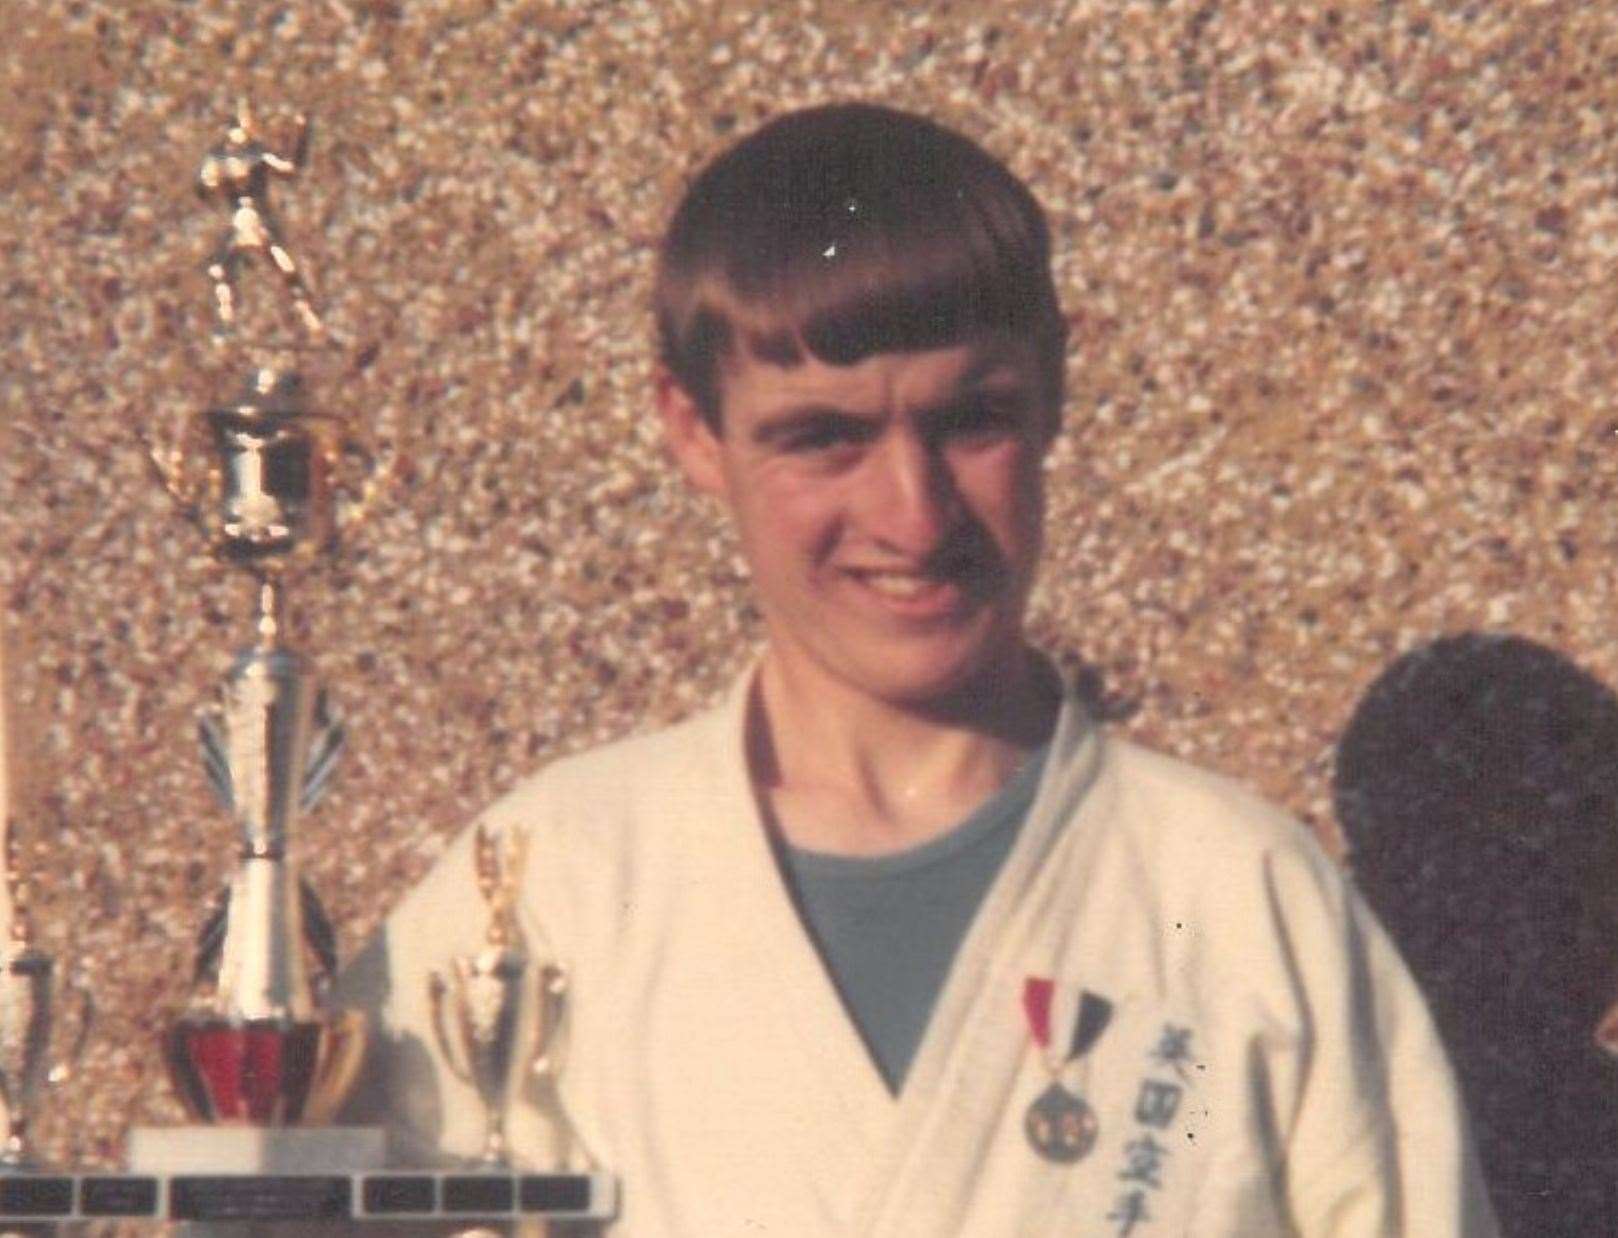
x=753 y=387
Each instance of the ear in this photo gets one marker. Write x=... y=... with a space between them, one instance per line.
x=692 y=443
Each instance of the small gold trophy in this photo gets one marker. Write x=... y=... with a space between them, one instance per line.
x=259 y=473
x=26 y=1022
x=477 y=1011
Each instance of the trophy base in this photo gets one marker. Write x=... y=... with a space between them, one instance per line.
x=256 y=1150
x=389 y=1198
x=265 y=1072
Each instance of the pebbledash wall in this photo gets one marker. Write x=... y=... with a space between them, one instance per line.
x=1343 y=414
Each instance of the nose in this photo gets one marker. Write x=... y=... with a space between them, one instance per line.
x=910 y=499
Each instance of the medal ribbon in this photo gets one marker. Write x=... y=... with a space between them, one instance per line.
x=1036 y=1005
x=1094 y=1013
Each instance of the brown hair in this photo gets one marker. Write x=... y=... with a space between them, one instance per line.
x=847 y=230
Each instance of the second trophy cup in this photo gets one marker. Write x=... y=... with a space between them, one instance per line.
x=479 y=1008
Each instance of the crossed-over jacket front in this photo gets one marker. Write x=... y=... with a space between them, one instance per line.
x=1265 y=1066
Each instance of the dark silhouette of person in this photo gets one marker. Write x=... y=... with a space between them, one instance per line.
x=1477 y=783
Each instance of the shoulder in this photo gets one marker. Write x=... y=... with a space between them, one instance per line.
x=1245 y=878
x=624 y=781
x=1197 y=812
x=637 y=811
x=1244 y=905
x=595 y=824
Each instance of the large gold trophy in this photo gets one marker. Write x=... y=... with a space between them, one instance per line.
x=259 y=474
x=259 y=1057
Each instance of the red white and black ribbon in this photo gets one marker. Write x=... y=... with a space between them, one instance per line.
x=1090 y=1020
x=1060 y=1125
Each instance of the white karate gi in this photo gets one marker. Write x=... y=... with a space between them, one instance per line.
x=1269 y=1066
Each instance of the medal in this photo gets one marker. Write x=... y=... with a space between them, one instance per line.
x=1060 y=1124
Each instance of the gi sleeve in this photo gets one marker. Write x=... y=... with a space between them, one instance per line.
x=1374 y=1134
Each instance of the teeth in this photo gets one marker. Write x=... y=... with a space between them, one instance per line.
x=898 y=584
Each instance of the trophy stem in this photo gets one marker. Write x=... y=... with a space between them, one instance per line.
x=494 y=1139
x=271 y=612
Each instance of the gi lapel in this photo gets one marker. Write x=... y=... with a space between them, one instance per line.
x=829 y=1066
x=956 y=1091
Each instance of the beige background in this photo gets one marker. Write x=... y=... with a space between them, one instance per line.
x=1343 y=380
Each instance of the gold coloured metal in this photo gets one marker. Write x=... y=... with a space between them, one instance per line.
x=260 y=473
x=267 y=475
x=237 y=172
x=477 y=1008
x=545 y=1066
x=499 y=879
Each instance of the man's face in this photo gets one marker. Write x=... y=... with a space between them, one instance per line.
x=890 y=510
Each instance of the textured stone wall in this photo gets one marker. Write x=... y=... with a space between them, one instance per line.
x=1344 y=376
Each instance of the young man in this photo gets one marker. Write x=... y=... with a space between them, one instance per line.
x=898 y=941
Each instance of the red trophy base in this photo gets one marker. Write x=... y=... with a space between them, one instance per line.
x=265 y=1072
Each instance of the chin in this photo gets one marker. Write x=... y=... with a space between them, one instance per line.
x=933 y=682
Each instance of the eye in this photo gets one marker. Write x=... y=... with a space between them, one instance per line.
x=982 y=417
x=824 y=434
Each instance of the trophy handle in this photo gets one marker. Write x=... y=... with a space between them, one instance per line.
x=63 y=1070
x=551 y=1005
x=552 y=1000
x=342 y=1053
x=436 y=987
x=377 y=473
x=179 y=478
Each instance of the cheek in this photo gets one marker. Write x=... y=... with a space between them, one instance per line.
x=1004 y=488
x=785 y=512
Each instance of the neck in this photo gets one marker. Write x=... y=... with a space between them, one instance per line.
x=841 y=771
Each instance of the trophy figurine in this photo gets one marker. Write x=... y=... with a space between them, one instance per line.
x=238 y=171
x=26 y=1008
x=259 y=473
x=478 y=1009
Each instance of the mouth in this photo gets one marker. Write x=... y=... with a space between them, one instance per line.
x=911 y=594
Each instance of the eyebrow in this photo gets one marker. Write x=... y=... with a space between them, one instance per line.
x=984 y=375
x=789 y=421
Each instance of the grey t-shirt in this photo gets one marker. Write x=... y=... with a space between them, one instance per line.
x=887 y=927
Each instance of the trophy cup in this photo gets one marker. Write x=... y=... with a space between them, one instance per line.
x=482 y=1038
x=26 y=1006
x=259 y=473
